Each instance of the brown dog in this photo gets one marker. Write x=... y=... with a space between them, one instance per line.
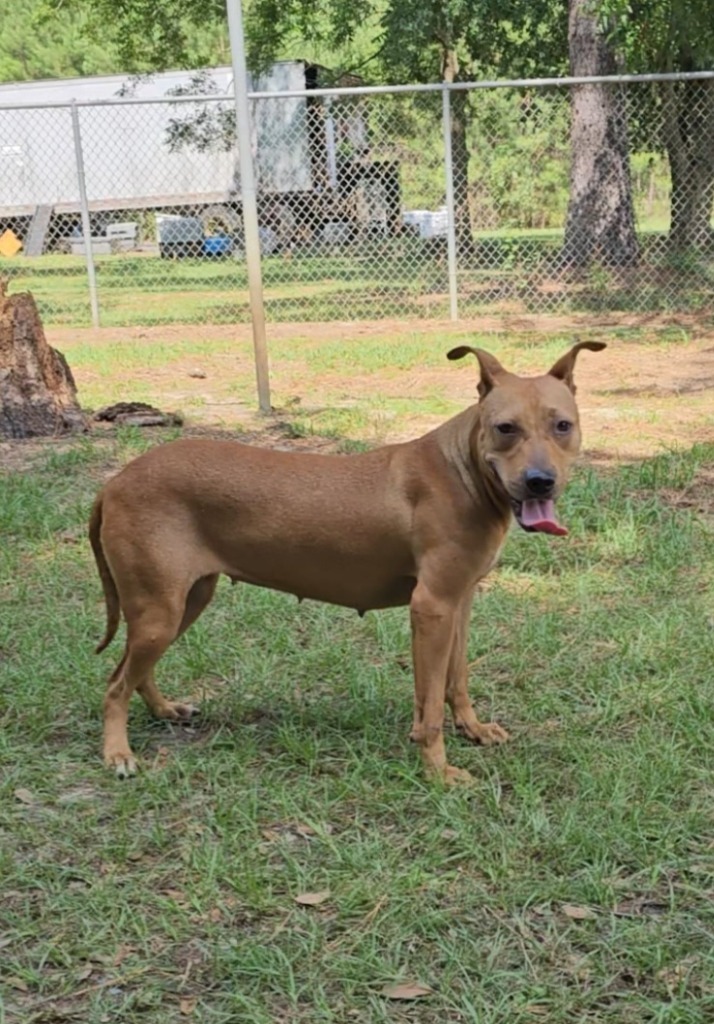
x=415 y=524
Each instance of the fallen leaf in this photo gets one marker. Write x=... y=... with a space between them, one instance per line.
x=24 y=796
x=188 y=1005
x=578 y=913
x=17 y=983
x=407 y=990
x=538 y=1009
x=85 y=973
x=312 y=899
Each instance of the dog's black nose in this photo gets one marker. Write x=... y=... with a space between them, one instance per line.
x=539 y=483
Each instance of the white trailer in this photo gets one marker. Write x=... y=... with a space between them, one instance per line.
x=128 y=161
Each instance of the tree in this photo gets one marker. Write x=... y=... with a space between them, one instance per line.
x=146 y=36
x=688 y=130
x=601 y=218
x=33 y=47
x=666 y=36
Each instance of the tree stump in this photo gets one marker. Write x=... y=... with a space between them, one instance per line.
x=38 y=396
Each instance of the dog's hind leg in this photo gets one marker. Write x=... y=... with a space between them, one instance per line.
x=149 y=633
x=457 y=694
x=198 y=598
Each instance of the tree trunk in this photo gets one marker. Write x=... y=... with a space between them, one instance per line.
x=38 y=396
x=688 y=124
x=600 y=222
x=459 y=104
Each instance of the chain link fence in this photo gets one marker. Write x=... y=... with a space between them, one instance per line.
x=412 y=203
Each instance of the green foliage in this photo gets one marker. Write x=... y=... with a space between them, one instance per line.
x=150 y=36
x=519 y=158
x=664 y=35
x=33 y=47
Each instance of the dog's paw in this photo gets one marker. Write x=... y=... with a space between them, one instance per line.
x=175 y=711
x=122 y=762
x=488 y=734
x=491 y=733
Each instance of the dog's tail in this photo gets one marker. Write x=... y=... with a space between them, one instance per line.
x=111 y=595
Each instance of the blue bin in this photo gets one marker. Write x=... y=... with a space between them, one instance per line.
x=218 y=245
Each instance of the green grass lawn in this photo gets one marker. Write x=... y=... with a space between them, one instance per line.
x=508 y=271
x=571 y=883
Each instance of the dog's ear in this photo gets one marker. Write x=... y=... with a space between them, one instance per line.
x=563 y=369
x=489 y=365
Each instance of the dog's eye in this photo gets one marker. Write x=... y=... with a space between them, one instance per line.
x=506 y=428
x=563 y=426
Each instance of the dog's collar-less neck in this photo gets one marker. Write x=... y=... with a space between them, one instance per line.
x=479 y=479
x=492 y=487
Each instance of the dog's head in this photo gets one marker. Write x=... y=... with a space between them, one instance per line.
x=528 y=433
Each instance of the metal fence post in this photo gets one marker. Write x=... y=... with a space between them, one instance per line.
x=450 y=203
x=249 y=201
x=84 y=208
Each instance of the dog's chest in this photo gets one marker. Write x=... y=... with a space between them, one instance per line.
x=489 y=563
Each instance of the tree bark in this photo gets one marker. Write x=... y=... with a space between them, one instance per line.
x=459 y=104
x=38 y=396
x=688 y=125
x=600 y=223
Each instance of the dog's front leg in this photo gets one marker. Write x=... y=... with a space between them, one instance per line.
x=433 y=621
x=457 y=693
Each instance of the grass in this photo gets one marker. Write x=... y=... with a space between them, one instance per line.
x=508 y=271
x=571 y=882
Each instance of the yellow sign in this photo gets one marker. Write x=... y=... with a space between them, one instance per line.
x=10 y=244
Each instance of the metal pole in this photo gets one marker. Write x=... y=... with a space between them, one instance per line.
x=84 y=207
x=249 y=200
x=450 y=203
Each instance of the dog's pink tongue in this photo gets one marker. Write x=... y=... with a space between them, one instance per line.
x=540 y=515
